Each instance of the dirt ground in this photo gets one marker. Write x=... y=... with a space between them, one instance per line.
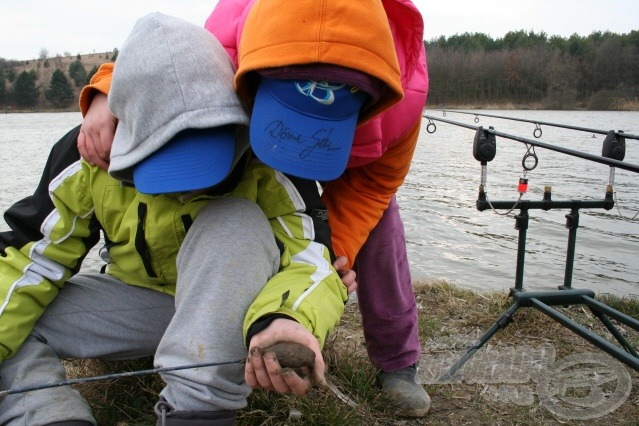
x=534 y=371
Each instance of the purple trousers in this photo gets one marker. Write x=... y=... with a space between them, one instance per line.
x=385 y=295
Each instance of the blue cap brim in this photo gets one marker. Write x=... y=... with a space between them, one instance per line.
x=302 y=135
x=193 y=160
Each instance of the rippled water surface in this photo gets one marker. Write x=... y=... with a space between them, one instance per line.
x=447 y=236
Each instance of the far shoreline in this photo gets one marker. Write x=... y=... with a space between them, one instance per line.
x=627 y=106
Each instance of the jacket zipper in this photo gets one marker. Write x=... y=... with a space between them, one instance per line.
x=140 y=241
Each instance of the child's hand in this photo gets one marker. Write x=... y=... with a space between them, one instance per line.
x=348 y=276
x=263 y=371
x=97 y=132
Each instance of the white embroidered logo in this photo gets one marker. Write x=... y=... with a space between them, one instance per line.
x=320 y=91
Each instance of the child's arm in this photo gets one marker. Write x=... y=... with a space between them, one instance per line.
x=51 y=232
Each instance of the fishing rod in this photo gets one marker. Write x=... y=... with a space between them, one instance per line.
x=612 y=162
x=538 y=132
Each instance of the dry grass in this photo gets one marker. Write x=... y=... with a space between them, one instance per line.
x=625 y=104
x=448 y=315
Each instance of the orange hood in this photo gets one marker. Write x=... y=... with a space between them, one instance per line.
x=348 y=33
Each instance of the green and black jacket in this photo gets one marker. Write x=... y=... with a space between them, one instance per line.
x=53 y=230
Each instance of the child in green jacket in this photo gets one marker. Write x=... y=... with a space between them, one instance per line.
x=209 y=251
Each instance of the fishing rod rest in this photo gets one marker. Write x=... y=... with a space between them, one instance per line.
x=614 y=147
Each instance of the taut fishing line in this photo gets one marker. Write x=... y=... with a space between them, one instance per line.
x=113 y=376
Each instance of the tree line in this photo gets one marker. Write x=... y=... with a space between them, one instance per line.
x=22 y=90
x=523 y=69
x=528 y=69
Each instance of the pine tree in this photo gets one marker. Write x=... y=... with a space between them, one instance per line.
x=59 y=92
x=11 y=75
x=25 y=92
x=78 y=73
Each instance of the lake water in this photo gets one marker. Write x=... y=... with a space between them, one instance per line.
x=447 y=237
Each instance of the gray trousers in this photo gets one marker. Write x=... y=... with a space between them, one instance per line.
x=227 y=257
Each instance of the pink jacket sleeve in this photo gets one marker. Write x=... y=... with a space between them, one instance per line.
x=226 y=23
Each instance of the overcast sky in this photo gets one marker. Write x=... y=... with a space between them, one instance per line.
x=84 y=26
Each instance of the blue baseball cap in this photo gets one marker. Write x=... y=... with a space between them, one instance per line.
x=305 y=128
x=160 y=107
x=192 y=160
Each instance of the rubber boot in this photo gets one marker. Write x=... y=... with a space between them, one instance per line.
x=169 y=416
x=404 y=388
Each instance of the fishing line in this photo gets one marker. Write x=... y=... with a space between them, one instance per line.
x=614 y=193
x=113 y=376
x=507 y=212
x=340 y=395
x=522 y=187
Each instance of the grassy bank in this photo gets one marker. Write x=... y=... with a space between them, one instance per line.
x=492 y=389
